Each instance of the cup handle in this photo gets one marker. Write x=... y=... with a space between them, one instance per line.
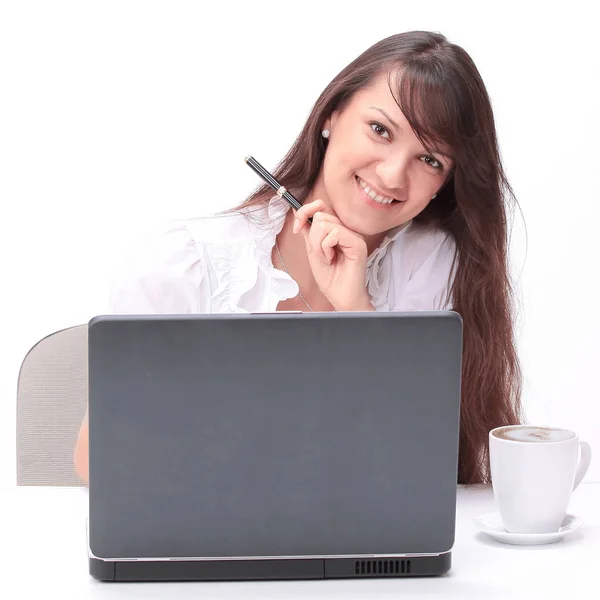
x=584 y=463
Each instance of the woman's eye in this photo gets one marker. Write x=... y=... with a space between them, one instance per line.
x=380 y=130
x=434 y=162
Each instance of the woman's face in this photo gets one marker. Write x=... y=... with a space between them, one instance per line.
x=372 y=150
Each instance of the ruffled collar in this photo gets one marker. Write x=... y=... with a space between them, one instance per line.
x=270 y=219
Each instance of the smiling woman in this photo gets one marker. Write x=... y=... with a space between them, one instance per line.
x=399 y=167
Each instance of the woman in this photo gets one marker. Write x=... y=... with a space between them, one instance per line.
x=398 y=164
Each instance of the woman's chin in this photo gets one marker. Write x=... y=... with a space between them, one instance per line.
x=359 y=224
x=361 y=217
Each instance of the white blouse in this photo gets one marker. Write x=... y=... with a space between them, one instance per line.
x=222 y=264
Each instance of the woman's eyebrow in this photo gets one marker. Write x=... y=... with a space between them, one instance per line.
x=397 y=128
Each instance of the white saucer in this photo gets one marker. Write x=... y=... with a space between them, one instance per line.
x=491 y=523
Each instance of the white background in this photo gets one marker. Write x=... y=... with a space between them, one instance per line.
x=117 y=115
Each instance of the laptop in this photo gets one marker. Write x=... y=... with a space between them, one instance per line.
x=273 y=446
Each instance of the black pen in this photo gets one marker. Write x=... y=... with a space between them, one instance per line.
x=270 y=180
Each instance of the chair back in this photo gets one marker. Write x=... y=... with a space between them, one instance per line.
x=52 y=394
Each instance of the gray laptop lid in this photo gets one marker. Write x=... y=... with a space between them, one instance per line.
x=315 y=434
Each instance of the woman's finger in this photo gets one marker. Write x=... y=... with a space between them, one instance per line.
x=349 y=242
x=316 y=235
x=330 y=241
x=308 y=210
x=321 y=216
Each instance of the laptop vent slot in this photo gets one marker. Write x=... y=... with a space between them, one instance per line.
x=382 y=567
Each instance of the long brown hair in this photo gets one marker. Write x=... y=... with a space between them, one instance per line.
x=442 y=95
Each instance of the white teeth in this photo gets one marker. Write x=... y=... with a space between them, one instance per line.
x=373 y=195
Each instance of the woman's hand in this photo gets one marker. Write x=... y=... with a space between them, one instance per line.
x=337 y=256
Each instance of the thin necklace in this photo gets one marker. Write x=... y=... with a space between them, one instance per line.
x=286 y=270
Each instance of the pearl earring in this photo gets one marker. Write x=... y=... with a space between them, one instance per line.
x=432 y=197
x=325 y=133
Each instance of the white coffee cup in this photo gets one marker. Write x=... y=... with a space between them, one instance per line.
x=534 y=472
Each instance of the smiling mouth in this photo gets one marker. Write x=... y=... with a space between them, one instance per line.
x=374 y=195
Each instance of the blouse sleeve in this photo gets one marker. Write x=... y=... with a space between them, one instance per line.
x=429 y=287
x=165 y=274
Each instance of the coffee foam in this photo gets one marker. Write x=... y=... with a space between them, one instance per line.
x=534 y=434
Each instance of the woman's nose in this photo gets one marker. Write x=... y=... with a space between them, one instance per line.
x=393 y=172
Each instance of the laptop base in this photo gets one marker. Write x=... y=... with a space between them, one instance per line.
x=277 y=569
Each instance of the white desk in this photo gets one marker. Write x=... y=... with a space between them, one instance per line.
x=43 y=555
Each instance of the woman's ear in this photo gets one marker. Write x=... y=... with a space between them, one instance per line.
x=331 y=121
